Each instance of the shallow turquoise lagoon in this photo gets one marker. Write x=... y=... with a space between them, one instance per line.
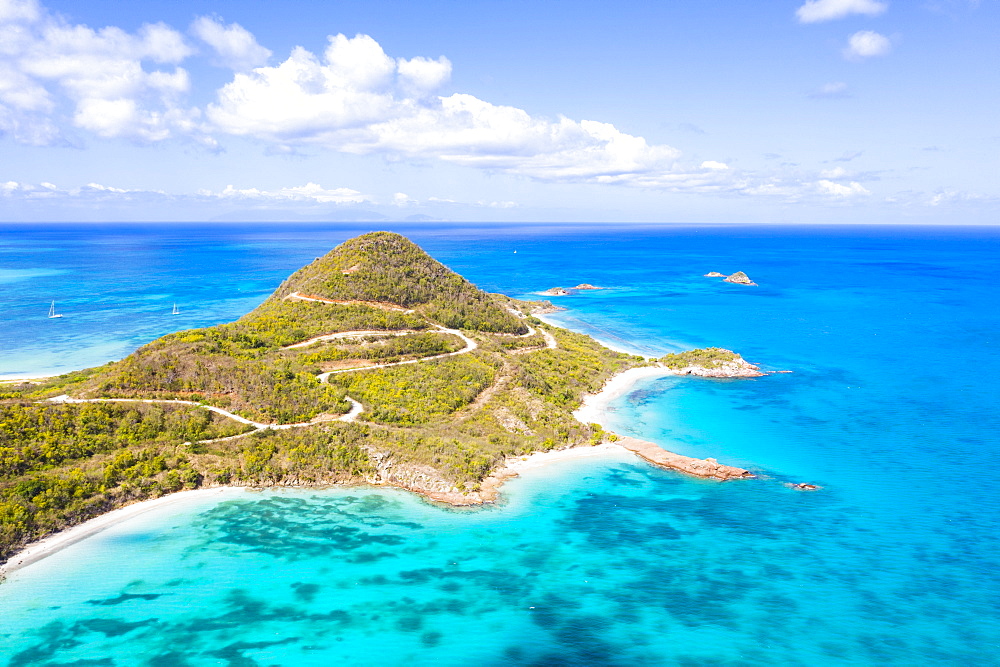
x=890 y=334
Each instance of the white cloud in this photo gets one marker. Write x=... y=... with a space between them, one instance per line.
x=866 y=44
x=19 y=10
x=106 y=188
x=402 y=199
x=58 y=80
x=814 y=11
x=115 y=83
x=835 y=173
x=308 y=192
x=358 y=100
x=422 y=75
x=234 y=45
x=851 y=189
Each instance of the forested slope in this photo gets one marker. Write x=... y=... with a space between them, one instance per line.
x=439 y=406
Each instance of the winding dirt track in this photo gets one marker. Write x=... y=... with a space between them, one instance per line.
x=470 y=345
x=356 y=407
x=352 y=415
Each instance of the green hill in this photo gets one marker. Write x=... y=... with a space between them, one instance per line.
x=389 y=268
x=448 y=380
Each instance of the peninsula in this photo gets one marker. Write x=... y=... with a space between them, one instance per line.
x=373 y=364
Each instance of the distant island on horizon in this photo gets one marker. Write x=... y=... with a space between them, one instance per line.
x=374 y=364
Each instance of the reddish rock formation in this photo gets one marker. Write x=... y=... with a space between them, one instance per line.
x=706 y=468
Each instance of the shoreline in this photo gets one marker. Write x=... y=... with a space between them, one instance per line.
x=27 y=378
x=593 y=410
x=617 y=347
x=56 y=542
x=513 y=467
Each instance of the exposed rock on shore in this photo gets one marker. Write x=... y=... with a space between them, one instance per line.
x=706 y=468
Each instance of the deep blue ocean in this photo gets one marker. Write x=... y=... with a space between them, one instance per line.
x=891 y=337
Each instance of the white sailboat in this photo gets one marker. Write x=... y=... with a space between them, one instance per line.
x=52 y=311
x=175 y=311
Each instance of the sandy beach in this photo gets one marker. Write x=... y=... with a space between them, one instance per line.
x=593 y=410
x=520 y=464
x=17 y=379
x=53 y=543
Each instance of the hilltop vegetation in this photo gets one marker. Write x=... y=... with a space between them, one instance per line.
x=451 y=408
x=706 y=357
x=389 y=268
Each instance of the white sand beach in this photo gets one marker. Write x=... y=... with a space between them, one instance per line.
x=594 y=408
x=520 y=464
x=54 y=543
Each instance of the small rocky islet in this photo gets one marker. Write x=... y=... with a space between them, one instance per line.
x=738 y=278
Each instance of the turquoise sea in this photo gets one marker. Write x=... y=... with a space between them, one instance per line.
x=891 y=337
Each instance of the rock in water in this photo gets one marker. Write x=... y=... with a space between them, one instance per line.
x=715 y=274
x=587 y=286
x=555 y=291
x=740 y=278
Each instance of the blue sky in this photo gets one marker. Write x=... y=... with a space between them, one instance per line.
x=824 y=111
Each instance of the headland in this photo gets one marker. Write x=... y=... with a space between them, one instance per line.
x=374 y=364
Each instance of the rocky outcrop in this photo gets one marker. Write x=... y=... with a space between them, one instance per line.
x=715 y=274
x=556 y=291
x=735 y=368
x=545 y=307
x=711 y=362
x=429 y=482
x=706 y=468
x=587 y=286
x=739 y=278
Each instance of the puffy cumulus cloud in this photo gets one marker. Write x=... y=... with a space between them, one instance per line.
x=357 y=99
x=235 y=47
x=814 y=11
x=111 y=82
x=19 y=10
x=59 y=79
x=866 y=44
x=308 y=192
x=422 y=75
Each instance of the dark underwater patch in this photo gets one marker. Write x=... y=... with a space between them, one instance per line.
x=123 y=598
x=233 y=654
x=305 y=592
